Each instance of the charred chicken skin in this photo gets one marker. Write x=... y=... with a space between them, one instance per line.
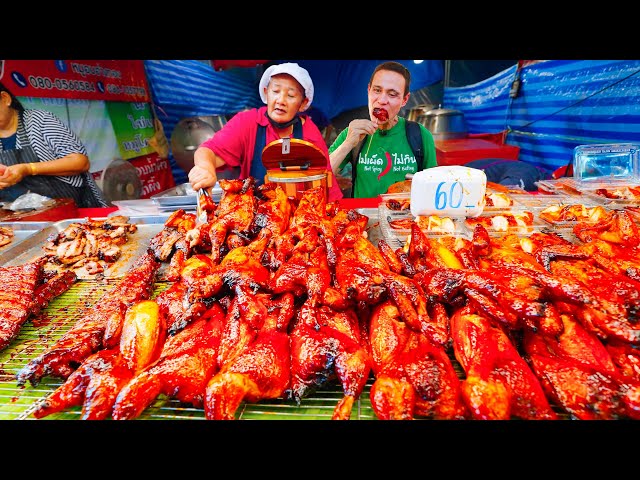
x=326 y=345
x=413 y=375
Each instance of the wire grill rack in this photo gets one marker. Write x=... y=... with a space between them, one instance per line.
x=19 y=402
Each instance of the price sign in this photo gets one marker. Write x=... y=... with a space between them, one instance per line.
x=456 y=191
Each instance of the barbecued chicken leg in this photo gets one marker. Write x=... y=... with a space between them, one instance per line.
x=186 y=363
x=259 y=371
x=325 y=345
x=414 y=376
x=499 y=384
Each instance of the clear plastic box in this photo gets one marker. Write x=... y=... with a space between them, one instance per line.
x=609 y=160
x=518 y=221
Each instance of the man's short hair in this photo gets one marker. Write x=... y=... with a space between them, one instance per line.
x=395 y=67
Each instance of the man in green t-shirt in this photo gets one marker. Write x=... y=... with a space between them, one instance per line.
x=386 y=156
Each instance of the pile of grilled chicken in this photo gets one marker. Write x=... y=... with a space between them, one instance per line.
x=90 y=246
x=274 y=297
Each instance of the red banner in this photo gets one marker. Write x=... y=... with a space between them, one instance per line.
x=115 y=80
x=155 y=174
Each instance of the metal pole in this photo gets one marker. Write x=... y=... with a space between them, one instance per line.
x=447 y=71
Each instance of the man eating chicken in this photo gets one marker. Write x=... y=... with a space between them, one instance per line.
x=377 y=152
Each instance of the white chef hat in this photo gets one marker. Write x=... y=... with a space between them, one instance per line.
x=293 y=69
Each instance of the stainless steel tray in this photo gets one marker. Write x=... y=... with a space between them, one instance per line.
x=31 y=247
x=183 y=195
x=21 y=231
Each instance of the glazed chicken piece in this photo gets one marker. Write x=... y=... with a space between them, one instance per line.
x=174 y=301
x=174 y=242
x=626 y=357
x=233 y=217
x=618 y=227
x=258 y=371
x=306 y=271
x=87 y=336
x=326 y=345
x=308 y=217
x=241 y=265
x=272 y=215
x=185 y=365
x=425 y=253
x=19 y=284
x=514 y=296
x=499 y=385
x=413 y=375
x=364 y=276
x=577 y=372
x=610 y=302
x=96 y=383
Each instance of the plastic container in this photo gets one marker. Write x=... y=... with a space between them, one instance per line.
x=396 y=227
x=519 y=222
x=569 y=214
x=612 y=160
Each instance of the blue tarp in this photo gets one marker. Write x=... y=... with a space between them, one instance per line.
x=561 y=104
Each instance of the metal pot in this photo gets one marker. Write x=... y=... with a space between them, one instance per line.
x=418 y=110
x=187 y=136
x=444 y=123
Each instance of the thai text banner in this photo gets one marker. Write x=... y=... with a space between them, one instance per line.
x=113 y=80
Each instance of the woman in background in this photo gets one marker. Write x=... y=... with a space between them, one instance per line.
x=40 y=154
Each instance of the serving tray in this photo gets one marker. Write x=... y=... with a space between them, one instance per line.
x=21 y=231
x=182 y=196
x=30 y=247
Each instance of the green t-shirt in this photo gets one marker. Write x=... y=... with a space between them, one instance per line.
x=385 y=159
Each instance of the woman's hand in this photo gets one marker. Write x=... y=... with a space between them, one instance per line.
x=202 y=176
x=13 y=174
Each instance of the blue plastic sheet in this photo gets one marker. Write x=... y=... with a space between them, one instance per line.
x=561 y=104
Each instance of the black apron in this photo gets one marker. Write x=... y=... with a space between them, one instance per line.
x=45 y=185
x=257 y=170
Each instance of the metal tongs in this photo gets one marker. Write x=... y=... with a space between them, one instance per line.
x=204 y=206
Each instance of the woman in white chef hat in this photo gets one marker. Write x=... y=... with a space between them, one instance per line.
x=287 y=91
